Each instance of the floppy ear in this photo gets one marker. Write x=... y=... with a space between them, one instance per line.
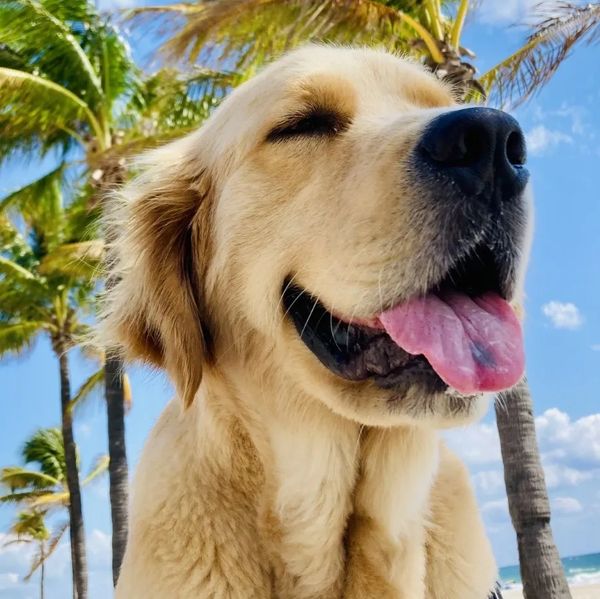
x=158 y=255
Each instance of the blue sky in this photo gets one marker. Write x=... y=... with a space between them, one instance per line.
x=562 y=335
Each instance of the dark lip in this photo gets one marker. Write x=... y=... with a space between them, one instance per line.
x=356 y=352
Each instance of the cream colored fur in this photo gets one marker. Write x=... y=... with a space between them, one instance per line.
x=273 y=478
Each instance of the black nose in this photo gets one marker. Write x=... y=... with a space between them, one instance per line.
x=481 y=149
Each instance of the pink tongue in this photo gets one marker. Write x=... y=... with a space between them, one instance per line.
x=474 y=344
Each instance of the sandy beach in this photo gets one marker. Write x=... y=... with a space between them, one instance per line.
x=588 y=591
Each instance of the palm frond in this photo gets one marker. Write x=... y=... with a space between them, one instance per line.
x=78 y=260
x=11 y=59
x=127 y=393
x=45 y=448
x=24 y=301
x=49 y=500
x=99 y=467
x=554 y=36
x=81 y=221
x=53 y=543
x=30 y=525
x=173 y=101
x=12 y=270
x=29 y=28
x=22 y=497
x=40 y=204
x=80 y=12
x=94 y=382
x=15 y=337
x=120 y=75
x=12 y=242
x=249 y=32
x=16 y=477
x=36 y=112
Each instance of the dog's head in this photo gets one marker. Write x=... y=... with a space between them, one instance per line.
x=338 y=221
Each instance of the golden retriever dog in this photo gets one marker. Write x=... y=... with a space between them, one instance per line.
x=328 y=270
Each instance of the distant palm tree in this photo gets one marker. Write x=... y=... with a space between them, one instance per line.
x=68 y=84
x=30 y=527
x=46 y=287
x=42 y=491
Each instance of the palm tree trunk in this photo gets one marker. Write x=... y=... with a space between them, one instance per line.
x=117 y=469
x=76 y=530
x=43 y=569
x=114 y=176
x=541 y=570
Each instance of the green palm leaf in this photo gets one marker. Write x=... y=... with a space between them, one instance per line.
x=50 y=500
x=94 y=382
x=554 y=36
x=99 y=468
x=16 y=477
x=77 y=260
x=11 y=269
x=16 y=337
x=22 y=497
x=30 y=525
x=27 y=24
x=39 y=200
x=45 y=448
x=249 y=32
x=120 y=75
x=38 y=112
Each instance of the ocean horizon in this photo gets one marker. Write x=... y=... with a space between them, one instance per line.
x=579 y=570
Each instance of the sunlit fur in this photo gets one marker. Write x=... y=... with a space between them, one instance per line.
x=272 y=477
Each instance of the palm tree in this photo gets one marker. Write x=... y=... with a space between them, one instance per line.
x=46 y=285
x=540 y=564
x=69 y=85
x=30 y=527
x=246 y=33
x=42 y=491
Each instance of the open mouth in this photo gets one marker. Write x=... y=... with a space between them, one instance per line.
x=462 y=334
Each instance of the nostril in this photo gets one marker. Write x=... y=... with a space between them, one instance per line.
x=515 y=149
x=463 y=147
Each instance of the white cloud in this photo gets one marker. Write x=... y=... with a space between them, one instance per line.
x=489 y=481
x=495 y=512
x=17 y=554
x=99 y=547
x=477 y=444
x=574 y=441
x=8 y=580
x=498 y=505
x=570 y=451
x=566 y=505
x=558 y=475
x=540 y=139
x=562 y=441
x=563 y=315
x=596 y=347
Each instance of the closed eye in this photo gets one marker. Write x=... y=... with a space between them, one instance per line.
x=316 y=123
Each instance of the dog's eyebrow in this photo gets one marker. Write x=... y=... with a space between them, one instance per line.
x=309 y=121
x=320 y=105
